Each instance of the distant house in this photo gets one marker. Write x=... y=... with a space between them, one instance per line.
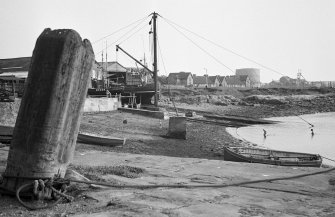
x=323 y=84
x=200 y=81
x=238 y=81
x=213 y=81
x=162 y=81
x=180 y=79
x=206 y=81
x=222 y=81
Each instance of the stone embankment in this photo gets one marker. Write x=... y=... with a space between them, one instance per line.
x=258 y=103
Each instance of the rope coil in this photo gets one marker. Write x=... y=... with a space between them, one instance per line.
x=44 y=190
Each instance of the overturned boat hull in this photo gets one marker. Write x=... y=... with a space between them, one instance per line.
x=100 y=140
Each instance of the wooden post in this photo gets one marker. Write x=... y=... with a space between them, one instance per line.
x=47 y=125
x=177 y=127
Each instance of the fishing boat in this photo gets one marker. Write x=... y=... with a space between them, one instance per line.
x=274 y=157
x=100 y=140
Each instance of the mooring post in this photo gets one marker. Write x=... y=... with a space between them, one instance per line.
x=47 y=125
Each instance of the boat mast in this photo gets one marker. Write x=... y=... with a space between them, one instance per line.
x=154 y=17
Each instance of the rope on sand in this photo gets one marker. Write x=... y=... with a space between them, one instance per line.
x=328 y=158
x=202 y=186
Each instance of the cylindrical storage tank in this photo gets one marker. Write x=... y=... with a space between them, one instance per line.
x=253 y=73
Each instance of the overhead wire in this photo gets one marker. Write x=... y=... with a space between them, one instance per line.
x=122 y=28
x=124 y=35
x=133 y=34
x=161 y=55
x=193 y=42
x=231 y=51
x=224 y=48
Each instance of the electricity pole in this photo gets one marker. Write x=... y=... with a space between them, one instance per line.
x=154 y=17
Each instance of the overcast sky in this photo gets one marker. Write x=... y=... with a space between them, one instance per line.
x=284 y=35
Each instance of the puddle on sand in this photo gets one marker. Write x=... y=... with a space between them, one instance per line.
x=294 y=134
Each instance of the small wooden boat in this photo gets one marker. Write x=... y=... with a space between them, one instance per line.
x=6 y=139
x=6 y=134
x=267 y=156
x=100 y=140
x=246 y=120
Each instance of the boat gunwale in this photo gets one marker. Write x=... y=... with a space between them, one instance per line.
x=274 y=151
x=242 y=158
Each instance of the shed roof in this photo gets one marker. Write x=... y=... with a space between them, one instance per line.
x=15 y=65
x=113 y=66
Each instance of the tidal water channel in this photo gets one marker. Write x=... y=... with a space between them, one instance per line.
x=294 y=133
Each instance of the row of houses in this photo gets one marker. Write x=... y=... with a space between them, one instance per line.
x=286 y=81
x=188 y=79
x=111 y=74
x=14 y=72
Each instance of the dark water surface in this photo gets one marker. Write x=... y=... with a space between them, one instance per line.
x=294 y=134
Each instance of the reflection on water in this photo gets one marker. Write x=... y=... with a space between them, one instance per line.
x=294 y=134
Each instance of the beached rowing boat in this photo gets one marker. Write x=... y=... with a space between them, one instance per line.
x=6 y=139
x=100 y=140
x=274 y=157
x=6 y=135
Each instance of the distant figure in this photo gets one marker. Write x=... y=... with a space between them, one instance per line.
x=160 y=124
x=312 y=132
x=264 y=133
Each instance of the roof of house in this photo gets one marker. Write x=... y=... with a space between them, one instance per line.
x=236 y=80
x=211 y=79
x=243 y=78
x=221 y=78
x=15 y=65
x=199 y=80
x=180 y=75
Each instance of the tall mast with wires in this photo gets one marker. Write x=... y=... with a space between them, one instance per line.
x=154 y=17
x=102 y=56
x=106 y=56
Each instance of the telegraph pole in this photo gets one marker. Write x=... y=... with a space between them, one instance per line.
x=154 y=17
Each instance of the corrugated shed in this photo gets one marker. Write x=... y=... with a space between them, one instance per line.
x=13 y=65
